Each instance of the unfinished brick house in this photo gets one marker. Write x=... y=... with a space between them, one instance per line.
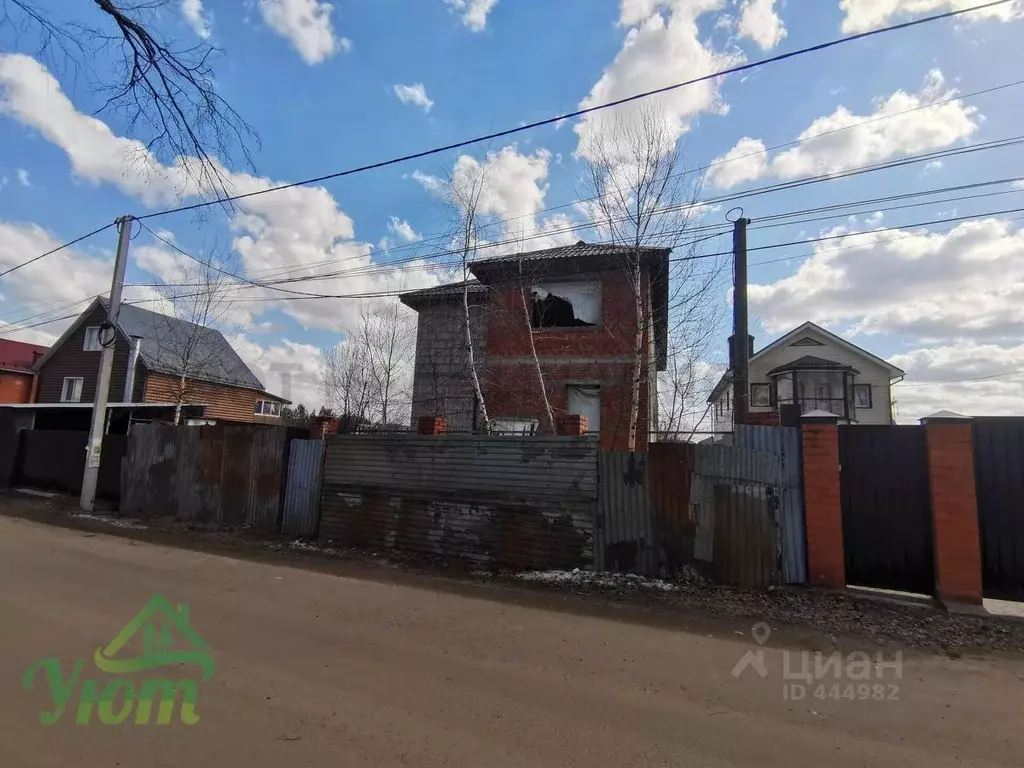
x=571 y=311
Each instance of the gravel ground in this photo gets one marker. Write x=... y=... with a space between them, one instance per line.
x=836 y=619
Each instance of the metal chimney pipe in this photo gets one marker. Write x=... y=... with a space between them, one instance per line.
x=129 y=379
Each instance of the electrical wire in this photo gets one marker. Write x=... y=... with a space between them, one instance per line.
x=55 y=250
x=587 y=110
x=386 y=267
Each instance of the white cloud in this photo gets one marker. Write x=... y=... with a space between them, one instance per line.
x=662 y=46
x=404 y=230
x=888 y=134
x=307 y=25
x=432 y=184
x=972 y=379
x=196 y=17
x=513 y=188
x=760 y=22
x=473 y=12
x=298 y=229
x=61 y=284
x=415 y=94
x=967 y=284
x=747 y=161
x=286 y=368
x=23 y=178
x=864 y=15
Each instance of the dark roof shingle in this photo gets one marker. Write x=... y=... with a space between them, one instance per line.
x=168 y=343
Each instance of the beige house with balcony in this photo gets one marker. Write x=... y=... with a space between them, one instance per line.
x=811 y=369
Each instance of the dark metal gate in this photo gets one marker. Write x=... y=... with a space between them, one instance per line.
x=887 y=530
x=999 y=478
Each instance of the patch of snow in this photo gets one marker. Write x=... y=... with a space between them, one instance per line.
x=578 y=578
x=116 y=522
x=304 y=546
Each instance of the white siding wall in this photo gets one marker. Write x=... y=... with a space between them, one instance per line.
x=870 y=373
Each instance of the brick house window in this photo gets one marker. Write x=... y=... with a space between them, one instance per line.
x=71 y=392
x=566 y=305
x=267 y=408
x=92 y=339
x=585 y=400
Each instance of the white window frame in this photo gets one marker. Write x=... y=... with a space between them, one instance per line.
x=92 y=334
x=267 y=408
x=64 y=394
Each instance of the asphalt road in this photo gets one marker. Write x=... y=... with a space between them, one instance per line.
x=316 y=669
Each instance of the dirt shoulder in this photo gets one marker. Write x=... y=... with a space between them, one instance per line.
x=799 y=617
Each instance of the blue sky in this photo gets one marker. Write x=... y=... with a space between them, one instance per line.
x=945 y=303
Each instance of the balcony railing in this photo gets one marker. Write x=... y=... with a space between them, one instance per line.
x=833 y=405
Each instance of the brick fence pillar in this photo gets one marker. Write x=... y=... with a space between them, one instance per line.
x=956 y=542
x=571 y=424
x=432 y=425
x=826 y=559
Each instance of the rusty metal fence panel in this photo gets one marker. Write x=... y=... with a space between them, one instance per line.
x=735 y=494
x=745 y=536
x=227 y=475
x=785 y=443
x=519 y=502
x=301 y=511
x=626 y=535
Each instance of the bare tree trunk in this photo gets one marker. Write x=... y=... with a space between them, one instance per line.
x=471 y=356
x=180 y=399
x=536 y=360
x=638 y=355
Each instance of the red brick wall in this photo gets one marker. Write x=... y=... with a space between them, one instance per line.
x=512 y=390
x=601 y=355
x=826 y=559
x=954 y=512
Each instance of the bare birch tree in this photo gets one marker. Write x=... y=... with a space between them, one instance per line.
x=188 y=345
x=368 y=377
x=388 y=341
x=641 y=198
x=166 y=93
x=464 y=199
x=344 y=382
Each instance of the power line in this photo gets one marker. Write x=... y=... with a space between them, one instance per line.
x=55 y=250
x=696 y=257
x=583 y=226
x=385 y=267
x=990 y=377
x=587 y=110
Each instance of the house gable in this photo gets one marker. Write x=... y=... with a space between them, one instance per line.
x=68 y=359
x=810 y=334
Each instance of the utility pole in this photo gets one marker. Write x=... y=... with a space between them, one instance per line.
x=94 y=449
x=740 y=330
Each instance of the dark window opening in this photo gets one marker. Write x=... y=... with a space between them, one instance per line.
x=574 y=305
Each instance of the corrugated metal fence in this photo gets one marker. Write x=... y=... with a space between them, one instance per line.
x=301 y=511
x=229 y=475
x=784 y=442
x=521 y=502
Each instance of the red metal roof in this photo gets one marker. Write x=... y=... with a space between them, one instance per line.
x=18 y=354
